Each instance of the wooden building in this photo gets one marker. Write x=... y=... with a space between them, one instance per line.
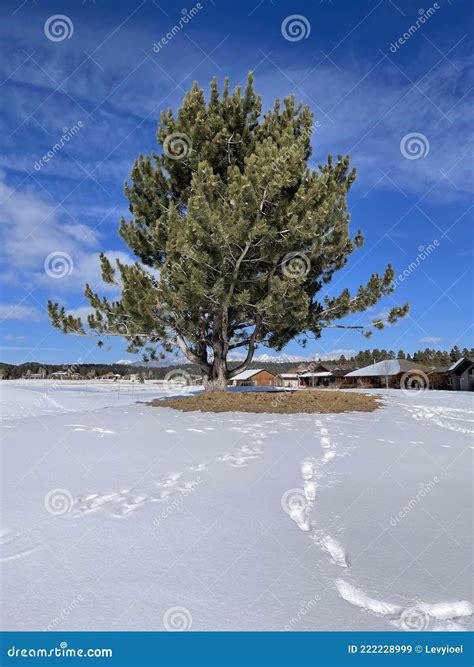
x=256 y=377
x=460 y=376
x=313 y=375
x=388 y=373
x=438 y=377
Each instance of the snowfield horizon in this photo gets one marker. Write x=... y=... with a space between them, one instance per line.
x=119 y=516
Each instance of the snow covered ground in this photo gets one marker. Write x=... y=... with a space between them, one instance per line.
x=116 y=515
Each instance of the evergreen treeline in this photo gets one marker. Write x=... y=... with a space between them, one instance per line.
x=87 y=371
x=429 y=357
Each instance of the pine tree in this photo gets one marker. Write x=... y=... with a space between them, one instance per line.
x=455 y=353
x=241 y=234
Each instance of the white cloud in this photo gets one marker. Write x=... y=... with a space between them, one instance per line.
x=33 y=229
x=12 y=337
x=366 y=111
x=19 y=312
x=431 y=339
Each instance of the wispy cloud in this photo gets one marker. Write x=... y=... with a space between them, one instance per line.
x=433 y=340
x=367 y=110
x=34 y=229
x=11 y=311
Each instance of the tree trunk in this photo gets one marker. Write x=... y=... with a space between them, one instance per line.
x=217 y=379
x=215 y=384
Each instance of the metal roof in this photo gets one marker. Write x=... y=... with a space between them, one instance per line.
x=464 y=361
x=387 y=367
x=459 y=361
x=245 y=375
x=321 y=374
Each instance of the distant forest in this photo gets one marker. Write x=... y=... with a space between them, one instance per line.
x=429 y=357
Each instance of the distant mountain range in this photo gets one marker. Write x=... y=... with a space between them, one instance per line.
x=258 y=358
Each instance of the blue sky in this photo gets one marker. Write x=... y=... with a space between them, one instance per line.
x=369 y=93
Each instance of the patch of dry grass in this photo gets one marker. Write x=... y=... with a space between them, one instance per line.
x=284 y=402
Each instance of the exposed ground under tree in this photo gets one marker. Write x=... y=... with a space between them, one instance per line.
x=285 y=402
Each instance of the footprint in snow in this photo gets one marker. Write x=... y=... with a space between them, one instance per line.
x=164 y=495
x=198 y=467
x=335 y=550
x=171 y=480
x=417 y=615
x=93 y=429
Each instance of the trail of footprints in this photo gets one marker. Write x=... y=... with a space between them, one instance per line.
x=444 y=417
x=127 y=501
x=418 y=615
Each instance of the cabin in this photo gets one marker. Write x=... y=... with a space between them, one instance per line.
x=321 y=375
x=111 y=376
x=59 y=375
x=437 y=377
x=387 y=373
x=256 y=377
x=460 y=376
x=314 y=375
x=65 y=375
x=289 y=380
